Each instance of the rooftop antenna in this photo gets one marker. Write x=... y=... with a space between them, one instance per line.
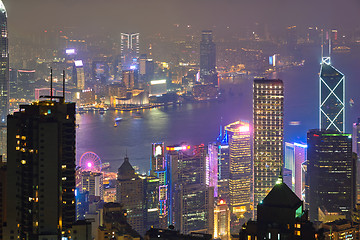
x=51 y=84
x=322 y=44
x=64 y=85
x=329 y=45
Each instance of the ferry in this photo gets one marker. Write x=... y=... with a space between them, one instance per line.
x=118 y=119
x=137 y=115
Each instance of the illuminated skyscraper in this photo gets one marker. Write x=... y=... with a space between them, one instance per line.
x=240 y=170
x=268 y=113
x=212 y=167
x=208 y=72
x=295 y=156
x=332 y=97
x=159 y=170
x=330 y=174
x=4 y=65
x=191 y=201
x=130 y=48
x=79 y=75
x=221 y=221
x=41 y=167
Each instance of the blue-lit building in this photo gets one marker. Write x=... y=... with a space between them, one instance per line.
x=158 y=169
x=332 y=97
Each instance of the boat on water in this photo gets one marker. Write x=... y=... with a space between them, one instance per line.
x=118 y=119
x=137 y=115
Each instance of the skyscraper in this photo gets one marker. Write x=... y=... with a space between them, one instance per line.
x=240 y=170
x=332 y=97
x=208 y=72
x=191 y=201
x=268 y=112
x=221 y=221
x=159 y=170
x=330 y=174
x=130 y=48
x=41 y=167
x=129 y=192
x=4 y=65
x=356 y=149
x=79 y=75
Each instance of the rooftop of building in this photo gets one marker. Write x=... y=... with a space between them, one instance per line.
x=268 y=81
x=281 y=196
x=126 y=171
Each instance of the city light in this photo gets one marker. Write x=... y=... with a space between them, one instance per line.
x=78 y=63
x=155 y=82
x=70 y=51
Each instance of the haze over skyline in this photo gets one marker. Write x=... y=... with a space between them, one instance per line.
x=160 y=15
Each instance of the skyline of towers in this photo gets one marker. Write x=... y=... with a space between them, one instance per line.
x=332 y=97
x=208 y=74
x=130 y=50
x=4 y=66
x=41 y=170
x=268 y=130
x=330 y=175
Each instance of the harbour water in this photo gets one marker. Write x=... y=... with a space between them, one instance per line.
x=197 y=123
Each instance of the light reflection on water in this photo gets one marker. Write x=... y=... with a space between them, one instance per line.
x=198 y=123
x=193 y=123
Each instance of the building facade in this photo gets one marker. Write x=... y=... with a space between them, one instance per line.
x=330 y=174
x=130 y=48
x=208 y=74
x=268 y=135
x=129 y=192
x=332 y=97
x=41 y=167
x=4 y=66
x=295 y=156
x=240 y=171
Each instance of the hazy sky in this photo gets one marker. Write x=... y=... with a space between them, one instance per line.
x=159 y=15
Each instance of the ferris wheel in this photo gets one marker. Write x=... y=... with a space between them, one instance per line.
x=90 y=161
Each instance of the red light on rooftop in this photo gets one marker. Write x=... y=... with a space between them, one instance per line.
x=315 y=135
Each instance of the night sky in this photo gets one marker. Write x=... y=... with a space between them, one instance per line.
x=148 y=16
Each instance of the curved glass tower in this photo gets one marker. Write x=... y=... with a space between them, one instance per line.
x=4 y=66
x=332 y=97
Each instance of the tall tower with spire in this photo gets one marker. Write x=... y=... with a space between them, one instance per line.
x=331 y=92
x=332 y=97
x=4 y=65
